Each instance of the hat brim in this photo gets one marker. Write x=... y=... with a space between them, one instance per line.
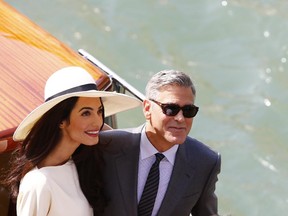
x=113 y=103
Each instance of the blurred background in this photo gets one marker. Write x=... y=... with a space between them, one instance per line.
x=236 y=52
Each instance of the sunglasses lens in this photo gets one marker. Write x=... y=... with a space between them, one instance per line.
x=189 y=111
x=171 y=109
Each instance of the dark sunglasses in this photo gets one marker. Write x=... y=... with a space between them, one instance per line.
x=171 y=109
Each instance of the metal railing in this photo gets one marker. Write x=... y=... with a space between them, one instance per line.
x=119 y=84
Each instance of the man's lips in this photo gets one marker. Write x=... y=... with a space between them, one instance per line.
x=177 y=128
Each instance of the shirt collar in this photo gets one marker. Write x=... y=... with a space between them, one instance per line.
x=147 y=149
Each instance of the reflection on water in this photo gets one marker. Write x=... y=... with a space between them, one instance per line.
x=235 y=50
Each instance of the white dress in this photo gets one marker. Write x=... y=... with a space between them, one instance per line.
x=53 y=191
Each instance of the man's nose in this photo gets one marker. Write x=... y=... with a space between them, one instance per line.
x=179 y=117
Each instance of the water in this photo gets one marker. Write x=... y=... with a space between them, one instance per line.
x=236 y=51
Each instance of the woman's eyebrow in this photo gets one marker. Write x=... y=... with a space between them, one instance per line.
x=89 y=108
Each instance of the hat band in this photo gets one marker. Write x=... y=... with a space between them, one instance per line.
x=81 y=88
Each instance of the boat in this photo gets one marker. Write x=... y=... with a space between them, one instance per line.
x=28 y=56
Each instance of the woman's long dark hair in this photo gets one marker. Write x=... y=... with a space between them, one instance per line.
x=89 y=164
x=41 y=140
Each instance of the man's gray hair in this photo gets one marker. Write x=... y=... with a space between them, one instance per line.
x=166 y=78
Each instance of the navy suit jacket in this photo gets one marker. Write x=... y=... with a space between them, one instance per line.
x=191 y=187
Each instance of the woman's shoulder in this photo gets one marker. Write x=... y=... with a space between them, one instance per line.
x=34 y=175
x=34 y=180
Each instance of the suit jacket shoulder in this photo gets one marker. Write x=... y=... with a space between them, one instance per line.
x=193 y=146
x=117 y=139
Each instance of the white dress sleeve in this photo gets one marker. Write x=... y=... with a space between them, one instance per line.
x=34 y=195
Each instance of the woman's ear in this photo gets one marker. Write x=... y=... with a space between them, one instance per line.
x=61 y=125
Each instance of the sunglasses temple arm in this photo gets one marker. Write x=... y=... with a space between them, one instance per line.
x=114 y=78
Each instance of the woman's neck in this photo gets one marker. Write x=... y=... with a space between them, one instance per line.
x=59 y=155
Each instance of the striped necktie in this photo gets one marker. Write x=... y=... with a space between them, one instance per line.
x=146 y=204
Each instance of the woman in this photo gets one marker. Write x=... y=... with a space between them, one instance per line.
x=56 y=138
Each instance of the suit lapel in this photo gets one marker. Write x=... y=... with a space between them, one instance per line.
x=181 y=175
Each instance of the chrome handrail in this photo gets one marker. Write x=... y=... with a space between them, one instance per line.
x=112 y=75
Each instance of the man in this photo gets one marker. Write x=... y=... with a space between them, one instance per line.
x=188 y=169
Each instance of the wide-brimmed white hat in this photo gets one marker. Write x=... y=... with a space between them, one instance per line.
x=73 y=82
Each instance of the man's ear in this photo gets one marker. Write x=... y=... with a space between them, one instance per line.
x=147 y=109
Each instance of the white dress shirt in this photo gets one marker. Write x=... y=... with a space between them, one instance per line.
x=146 y=159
